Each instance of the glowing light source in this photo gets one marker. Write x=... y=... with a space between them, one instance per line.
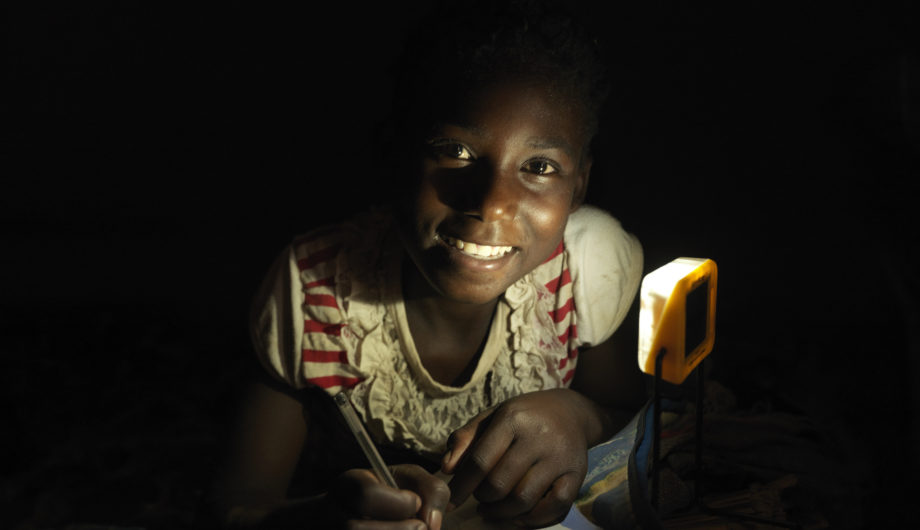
x=677 y=313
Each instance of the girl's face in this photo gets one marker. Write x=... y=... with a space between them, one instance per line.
x=497 y=181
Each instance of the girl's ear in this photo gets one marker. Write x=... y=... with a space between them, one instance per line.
x=581 y=185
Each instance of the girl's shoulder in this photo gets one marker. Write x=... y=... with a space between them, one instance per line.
x=605 y=264
x=355 y=246
x=596 y=242
x=590 y=226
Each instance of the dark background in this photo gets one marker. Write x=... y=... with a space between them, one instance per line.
x=154 y=160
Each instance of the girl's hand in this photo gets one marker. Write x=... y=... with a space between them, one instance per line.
x=359 y=500
x=526 y=458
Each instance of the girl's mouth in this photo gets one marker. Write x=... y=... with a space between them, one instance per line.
x=483 y=252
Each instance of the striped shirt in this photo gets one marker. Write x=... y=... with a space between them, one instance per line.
x=330 y=314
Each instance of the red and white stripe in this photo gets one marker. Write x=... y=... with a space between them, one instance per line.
x=563 y=313
x=325 y=360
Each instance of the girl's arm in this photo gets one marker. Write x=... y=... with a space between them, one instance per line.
x=262 y=453
x=264 y=448
x=608 y=374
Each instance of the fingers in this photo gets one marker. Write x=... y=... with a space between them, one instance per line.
x=358 y=492
x=533 y=504
x=461 y=439
x=478 y=460
x=507 y=474
x=434 y=492
x=556 y=503
x=521 y=495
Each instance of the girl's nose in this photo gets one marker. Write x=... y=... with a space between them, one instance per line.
x=496 y=195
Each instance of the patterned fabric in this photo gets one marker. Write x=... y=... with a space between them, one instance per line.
x=331 y=314
x=614 y=493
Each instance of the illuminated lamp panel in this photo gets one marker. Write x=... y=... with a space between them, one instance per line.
x=677 y=313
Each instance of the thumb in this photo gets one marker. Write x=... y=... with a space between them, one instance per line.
x=460 y=440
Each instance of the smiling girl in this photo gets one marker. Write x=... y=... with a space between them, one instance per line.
x=454 y=321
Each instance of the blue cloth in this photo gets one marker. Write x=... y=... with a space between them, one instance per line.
x=614 y=493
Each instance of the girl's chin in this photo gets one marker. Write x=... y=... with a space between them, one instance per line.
x=465 y=289
x=471 y=298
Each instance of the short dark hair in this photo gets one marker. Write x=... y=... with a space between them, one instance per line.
x=461 y=46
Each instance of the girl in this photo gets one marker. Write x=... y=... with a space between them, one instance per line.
x=455 y=320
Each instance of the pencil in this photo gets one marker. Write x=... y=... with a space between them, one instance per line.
x=364 y=440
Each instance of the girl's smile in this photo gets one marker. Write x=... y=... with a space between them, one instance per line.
x=479 y=251
x=475 y=256
x=496 y=183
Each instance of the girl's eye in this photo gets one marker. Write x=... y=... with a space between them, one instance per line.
x=452 y=150
x=540 y=167
x=459 y=151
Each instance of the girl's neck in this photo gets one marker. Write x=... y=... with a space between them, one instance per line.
x=438 y=311
x=448 y=335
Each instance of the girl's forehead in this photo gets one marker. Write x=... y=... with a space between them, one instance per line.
x=517 y=101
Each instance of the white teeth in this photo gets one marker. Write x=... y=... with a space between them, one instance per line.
x=479 y=251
